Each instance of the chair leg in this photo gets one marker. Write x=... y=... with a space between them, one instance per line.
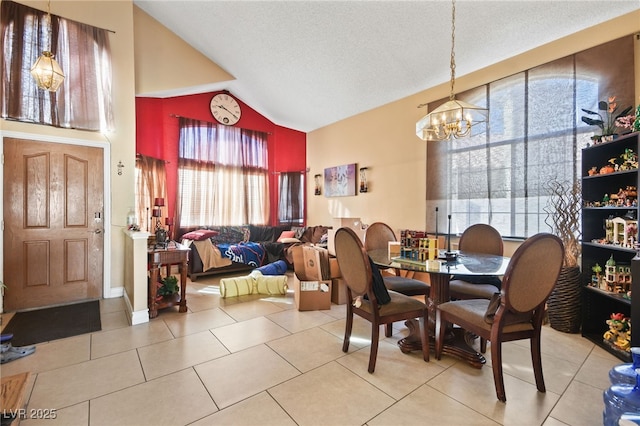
x=439 y=334
x=496 y=363
x=347 y=331
x=483 y=345
x=536 y=359
x=424 y=334
x=375 y=337
x=388 y=329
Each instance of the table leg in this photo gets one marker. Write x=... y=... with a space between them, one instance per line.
x=153 y=288
x=456 y=342
x=183 y=286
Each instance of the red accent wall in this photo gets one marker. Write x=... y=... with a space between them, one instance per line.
x=157 y=136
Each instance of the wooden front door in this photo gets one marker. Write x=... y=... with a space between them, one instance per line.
x=54 y=223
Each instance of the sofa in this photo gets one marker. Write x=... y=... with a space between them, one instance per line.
x=231 y=249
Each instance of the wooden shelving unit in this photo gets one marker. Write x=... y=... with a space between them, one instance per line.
x=598 y=304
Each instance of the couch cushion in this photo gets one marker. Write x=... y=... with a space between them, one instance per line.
x=200 y=234
x=286 y=234
x=261 y=233
x=230 y=234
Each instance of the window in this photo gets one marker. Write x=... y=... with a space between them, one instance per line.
x=223 y=175
x=291 y=197
x=534 y=135
x=151 y=178
x=84 y=99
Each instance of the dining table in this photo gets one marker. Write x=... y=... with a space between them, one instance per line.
x=458 y=342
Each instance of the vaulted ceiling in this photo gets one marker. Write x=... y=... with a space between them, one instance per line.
x=308 y=64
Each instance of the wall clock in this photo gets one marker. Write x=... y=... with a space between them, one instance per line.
x=225 y=109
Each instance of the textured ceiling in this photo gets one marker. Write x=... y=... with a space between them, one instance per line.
x=308 y=64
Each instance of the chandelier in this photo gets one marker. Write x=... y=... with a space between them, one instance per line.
x=454 y=118
x=46 y=71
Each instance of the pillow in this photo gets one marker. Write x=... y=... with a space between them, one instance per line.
x=286 y=234
x=288 y=240
x=200 y=234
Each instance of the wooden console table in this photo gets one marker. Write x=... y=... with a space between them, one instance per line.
x=170 y=256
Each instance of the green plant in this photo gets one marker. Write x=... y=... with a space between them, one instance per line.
x=607 y=123
x=168 y=286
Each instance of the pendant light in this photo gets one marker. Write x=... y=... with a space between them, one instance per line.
x=46 y=71
x=454 y=118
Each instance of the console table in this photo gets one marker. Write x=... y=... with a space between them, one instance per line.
x=167 y=256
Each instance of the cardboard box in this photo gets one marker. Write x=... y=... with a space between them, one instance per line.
x=339 y=291
x=345 y=222
x=334 y=268
x=311 y=263
x=311 y=282
x=312 y=295
x=394 y=249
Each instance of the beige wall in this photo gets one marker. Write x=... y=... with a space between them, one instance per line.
x=161 y=56
x=384 y=139
x=118 y=17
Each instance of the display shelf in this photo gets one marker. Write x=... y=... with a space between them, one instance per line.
x=599 y=304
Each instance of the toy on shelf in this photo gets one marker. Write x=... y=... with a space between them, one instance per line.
x=620 y=231
x=627 y=197
x=617 y=277
x=628 y=160
x=619 y=333
x=596 y=278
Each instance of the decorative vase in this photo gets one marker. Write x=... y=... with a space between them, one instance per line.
x=563 y=306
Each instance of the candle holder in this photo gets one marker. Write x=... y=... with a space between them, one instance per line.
x=161 y=233
x=169 y=222
x=363 y=180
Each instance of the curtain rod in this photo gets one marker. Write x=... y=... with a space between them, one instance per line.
x=139 y=157
x=213 y=122
x=72 y=20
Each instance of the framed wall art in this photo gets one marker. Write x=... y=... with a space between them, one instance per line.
x=340 y=181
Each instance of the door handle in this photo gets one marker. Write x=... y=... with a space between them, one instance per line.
x=96 y=231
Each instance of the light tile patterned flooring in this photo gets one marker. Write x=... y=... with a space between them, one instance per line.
x=256 y=360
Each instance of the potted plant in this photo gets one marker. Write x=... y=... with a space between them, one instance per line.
x=563 y=217
x=167 y=287
x=607 y=123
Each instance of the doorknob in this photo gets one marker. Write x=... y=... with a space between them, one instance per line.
x=96 y=231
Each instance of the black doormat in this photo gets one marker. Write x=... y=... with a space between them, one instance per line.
x=43 y=325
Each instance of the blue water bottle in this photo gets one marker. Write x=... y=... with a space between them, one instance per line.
x=626 y=373
x=619 y=400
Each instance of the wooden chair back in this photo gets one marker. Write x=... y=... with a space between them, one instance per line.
x=481 y=238
x=378 y=235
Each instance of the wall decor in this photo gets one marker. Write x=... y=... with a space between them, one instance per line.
x=340 y=181
x=363 y=180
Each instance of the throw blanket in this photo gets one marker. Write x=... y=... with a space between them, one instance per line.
x=249 y=253
x=210 y=255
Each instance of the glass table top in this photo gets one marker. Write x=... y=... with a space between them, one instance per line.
x=466 y=263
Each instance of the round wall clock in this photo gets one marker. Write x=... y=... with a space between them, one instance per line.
x=225 y=109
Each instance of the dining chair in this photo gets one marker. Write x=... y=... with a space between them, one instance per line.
x=528 y=281
x=356 y=270
x=377 y=236
x=478 y=238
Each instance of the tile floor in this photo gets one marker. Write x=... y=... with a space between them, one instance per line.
x=256 y=360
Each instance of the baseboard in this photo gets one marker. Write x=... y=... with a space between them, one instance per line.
x=135 y=317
